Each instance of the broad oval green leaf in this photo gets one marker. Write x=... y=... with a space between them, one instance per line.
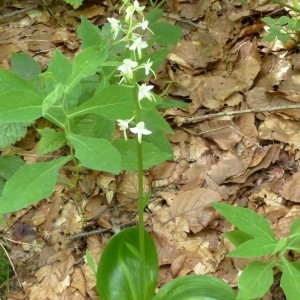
x=19 y=99
x=196 y=287
x=29 y=184
x=96 y=153
x=119 y=275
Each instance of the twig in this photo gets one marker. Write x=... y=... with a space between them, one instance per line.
x=18 y=12
x=96 y=231
x=188 y=22
x=191 y=120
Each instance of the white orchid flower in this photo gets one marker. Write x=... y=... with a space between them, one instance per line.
x=127 y=68
x=138 y=44
x=115 y=26
x=144 y=92
x=140 y=130
x=124 y=125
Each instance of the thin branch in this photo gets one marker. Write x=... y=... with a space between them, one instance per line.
x=191 y=120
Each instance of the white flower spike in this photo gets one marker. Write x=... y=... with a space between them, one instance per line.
x=140 y=130
x=124 y=125
x=147 y=67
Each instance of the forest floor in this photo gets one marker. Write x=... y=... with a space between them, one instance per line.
x=236 y=142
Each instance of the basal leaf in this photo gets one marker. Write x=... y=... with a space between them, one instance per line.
x=51 y=140
x=113 y=102
x=25 y=66
x=165 y=33
x=152 y=155
x=290 y=280
x=19 y=99
x=255 y=280
x=246 y=220
x=119 y=273
x=254 y=248
x=31 y=183
x=196 y=287
x=10 y=133
x=96 y=153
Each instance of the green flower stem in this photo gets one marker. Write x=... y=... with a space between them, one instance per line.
x=140 y=173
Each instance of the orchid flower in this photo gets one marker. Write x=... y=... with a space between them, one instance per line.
x=140 y=130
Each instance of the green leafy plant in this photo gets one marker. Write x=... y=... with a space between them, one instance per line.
x=83 y=100
x=254 y=238
x=284 y=29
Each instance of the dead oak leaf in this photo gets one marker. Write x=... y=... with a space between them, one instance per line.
x=194 y=206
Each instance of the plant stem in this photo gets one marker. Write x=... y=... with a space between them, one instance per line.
x=140 y=174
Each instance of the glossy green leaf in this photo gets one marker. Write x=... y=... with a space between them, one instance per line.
x=196 y=287
x=31 y=183
x=152 y=155
x=255 y=280
x=113 y=102
x=254 y=248
x=96 y=153
x=290 y=280
x=166 y=34
x=119 y=274
x=19 y=99
x=246 y=220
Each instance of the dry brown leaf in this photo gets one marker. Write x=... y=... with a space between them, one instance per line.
x=291 y=189
x=194 y=206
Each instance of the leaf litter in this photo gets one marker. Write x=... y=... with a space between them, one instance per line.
x=237 y=141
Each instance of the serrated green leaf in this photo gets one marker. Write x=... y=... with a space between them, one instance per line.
x=10 y=133
x=60 y=67
x=270 y=21
x=30 y=184
x=89 y=34
x=9 y=165
x=290 y=280
x=254 y=248
x=283 y=20
x=113 y=102
x=152 y=155
x=246 y=220
x=96 y=153
x=119 y=274
x=237 y=237
x=196 y=287
x=51 y=140
x=20 y=101
x=255 y=280
x=25 y=66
